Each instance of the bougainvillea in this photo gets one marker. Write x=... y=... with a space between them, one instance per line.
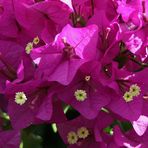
x=75 y=71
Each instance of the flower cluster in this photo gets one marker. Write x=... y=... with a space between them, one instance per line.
x=84 y=56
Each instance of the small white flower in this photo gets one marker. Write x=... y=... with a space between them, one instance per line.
x=128 y=97
x=87 y=78
x=36 y=40
x=135 y=90
x=29 y=47
x=80 y=95
x=20 y=98
x=83 y=132
x=72 y=137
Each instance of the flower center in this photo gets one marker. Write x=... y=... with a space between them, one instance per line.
x=29 y=46
x=128 y=97
x=20 y=98
x=80 y=95
x=36 y=40
x=135 y=90
x=87 y=78
x=72 y=137
x=83 y=132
